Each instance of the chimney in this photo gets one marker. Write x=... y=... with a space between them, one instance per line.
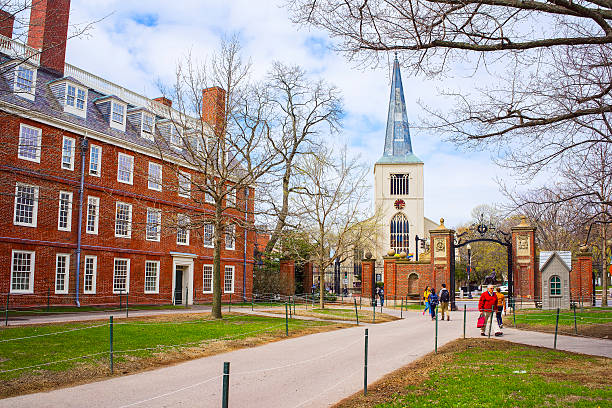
x=6 y=23
x=164 y=101
x=48 y=32
x=213 y=107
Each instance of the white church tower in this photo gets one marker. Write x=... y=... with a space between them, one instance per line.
x=398 y=181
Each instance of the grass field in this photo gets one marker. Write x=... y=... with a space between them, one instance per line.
x=137 y=343
x=41 y=311
x=481 y=373
x=336 y=313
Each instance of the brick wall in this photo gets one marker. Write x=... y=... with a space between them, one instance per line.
x=287 y=276
x=581 y=277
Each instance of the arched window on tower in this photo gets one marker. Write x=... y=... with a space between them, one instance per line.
x=399 y=229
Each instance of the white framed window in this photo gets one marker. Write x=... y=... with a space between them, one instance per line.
x=151 y=284
x=62 y=267
x=25 y=81
x=182 y=230
x=400 y=184
x=208 y=197
x=123 y=220
x=125 y=168
x=29 y=143
x=93 y=215
x=95 y=158
x=118 y=113
x=64 y=215
x=230 y=237
x=153 y=224
x=26 y=205
x=184 y=180
x=207 y=278
x=76 y=98
x=230 y=197
x=155 y=176
x=228 y=279
x=68 y=153
x=90 y=274
x=207 y=236
x=148 y=125
x=399 y=230
x=121 y=275
x=22 y=272
x=176 y=139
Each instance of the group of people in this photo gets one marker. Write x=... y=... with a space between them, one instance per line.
x=432 y=299
x=491 y=301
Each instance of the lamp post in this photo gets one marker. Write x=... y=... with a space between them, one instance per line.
x=469 y=249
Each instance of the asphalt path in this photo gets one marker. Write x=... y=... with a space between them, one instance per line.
x=310 y=371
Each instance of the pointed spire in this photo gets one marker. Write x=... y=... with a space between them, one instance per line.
x=398 y=146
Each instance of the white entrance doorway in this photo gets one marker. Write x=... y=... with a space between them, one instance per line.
x=182 y=279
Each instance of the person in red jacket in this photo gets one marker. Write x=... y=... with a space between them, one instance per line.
x=487 y=305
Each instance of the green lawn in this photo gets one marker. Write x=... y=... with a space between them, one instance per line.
x=513 y=376
x=154 y=335
x=566 y=317
x=39 y=311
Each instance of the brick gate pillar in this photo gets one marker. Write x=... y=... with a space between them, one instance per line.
x=526 y=277
x=581 y=276
x=287 y=276
x=440 y=245
x=368 y=274
x=308 y=277
x=390 y=275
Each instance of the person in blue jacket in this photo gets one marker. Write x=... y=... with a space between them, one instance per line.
x=433 y=303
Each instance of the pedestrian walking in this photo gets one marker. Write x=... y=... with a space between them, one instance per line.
x=433 y=302
x=426 y=299
x=487 y=305
x=444 y=299
x=501 y=307
x=381 y=295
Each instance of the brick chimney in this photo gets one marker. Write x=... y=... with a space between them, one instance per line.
x=48 y=32
x=213 y=107
x=7 y=20
x=164 y=101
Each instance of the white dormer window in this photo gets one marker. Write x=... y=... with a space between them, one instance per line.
x=118 y=114
x=176 y=140
x=25 y=81
x=75 y=97
x=147 y=126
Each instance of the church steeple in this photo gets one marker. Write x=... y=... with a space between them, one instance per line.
x=398 y=146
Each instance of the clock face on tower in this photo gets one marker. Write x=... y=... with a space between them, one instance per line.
x=399 y=204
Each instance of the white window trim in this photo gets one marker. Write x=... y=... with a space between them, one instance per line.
x=91 y=147
x=211 y=278
x=156 y=181
x=143 y=133
x=96 y=222
x=233 y=268
x=129 y=221
x=114 y=124
x=66 y=278
x=212 y=238
x=38 y=143
x=156 y=280
x=127 y=277
x=71 y=165
x=34 y=209
x=73 y=109
x=131 y=181
x=59 y=211
x=186 y=243
x=231 y=197
x=158 y=235
x=94 y=276
x=19 y=92
x=232 y=229
x=32 y=264
x=184 y=174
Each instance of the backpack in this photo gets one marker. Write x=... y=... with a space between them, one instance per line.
x=444 y=296
x=433 y=299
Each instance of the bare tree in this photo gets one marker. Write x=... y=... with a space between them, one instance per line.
x=302 y=109
x=333 y=197
x=223 y=135
x=549 y=65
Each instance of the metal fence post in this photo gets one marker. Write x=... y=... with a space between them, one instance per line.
x=226 y=368
x=402 y=309
x=6 y=310
x=514 y=316
x=286 y=320
x=464 y=317
x=252 y=302
x=356 y=312
x=556 y=329
x=436 y=345
x=365 y=365
x=575 y=325
x=110 y=325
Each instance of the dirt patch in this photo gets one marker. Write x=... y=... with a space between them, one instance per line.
x=598 y=374
x=89 y=371
x=600 y=331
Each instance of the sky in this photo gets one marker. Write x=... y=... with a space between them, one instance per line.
x=137 y=45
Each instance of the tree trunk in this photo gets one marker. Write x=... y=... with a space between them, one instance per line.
x=604 y=262
x=282 y=216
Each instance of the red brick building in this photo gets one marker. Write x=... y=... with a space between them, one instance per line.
x=89 y=210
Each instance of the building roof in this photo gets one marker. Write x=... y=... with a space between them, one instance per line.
x=398 y=146
x=566 y=257
x=554 y=255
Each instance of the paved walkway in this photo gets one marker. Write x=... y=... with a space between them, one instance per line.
x=310 y=371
